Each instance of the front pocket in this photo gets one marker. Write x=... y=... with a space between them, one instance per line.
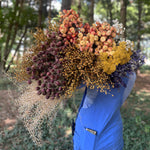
x=89 y=139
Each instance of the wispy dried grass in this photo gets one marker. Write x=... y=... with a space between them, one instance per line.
x=33 y=109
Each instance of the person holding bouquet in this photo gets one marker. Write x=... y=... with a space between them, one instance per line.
x=98 y=125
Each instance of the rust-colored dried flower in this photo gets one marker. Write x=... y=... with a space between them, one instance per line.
x=69 y=27
x=41 y=63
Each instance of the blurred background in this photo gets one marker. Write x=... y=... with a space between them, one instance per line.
x=18 y=18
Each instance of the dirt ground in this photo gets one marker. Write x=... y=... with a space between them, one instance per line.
x=142 y=83
x=8 y=110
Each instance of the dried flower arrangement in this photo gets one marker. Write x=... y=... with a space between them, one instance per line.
x=67 y=54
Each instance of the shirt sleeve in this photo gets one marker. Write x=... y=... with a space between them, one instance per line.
x=90 y=97
x=130 y=84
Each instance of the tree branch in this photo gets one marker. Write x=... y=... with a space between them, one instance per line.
x=6 y=49
x=9 y=47
x=17 y=49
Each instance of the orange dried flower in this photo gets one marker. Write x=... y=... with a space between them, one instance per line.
x=105 y=47
x=108 y=33
x=103 y=39
x=82 y=30
x=113 y=34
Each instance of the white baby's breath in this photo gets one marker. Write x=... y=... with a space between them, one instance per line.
x=129 y=45
x=119 y=27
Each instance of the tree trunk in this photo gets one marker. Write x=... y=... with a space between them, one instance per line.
x=6 y=45
x=66 y=4
x=0 y=59
x=49 y=11
x=139 y=23
x=40 y=14
x=123 y=12
x=110 y=11
x=91 y=17
x=11 y=42
x=1 y=67
x=7 y=3
x=79 y=7
x=6 y=48
x=25 y=45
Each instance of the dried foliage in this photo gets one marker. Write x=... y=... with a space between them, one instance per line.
x=33 y=109
x=25 y=62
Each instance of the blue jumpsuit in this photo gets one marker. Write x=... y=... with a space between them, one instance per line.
x=98 y=123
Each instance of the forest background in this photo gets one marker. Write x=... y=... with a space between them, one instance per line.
x=18 y=18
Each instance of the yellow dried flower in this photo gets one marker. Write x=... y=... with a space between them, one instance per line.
x=108 y=61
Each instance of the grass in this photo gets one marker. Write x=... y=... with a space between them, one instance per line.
x=145 y=69
x=136 y=122
x=6 y=84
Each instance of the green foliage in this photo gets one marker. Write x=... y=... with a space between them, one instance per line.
x=132 y=22
x=28 y=17
x=13 y=21
x=84 y=10
x=6 y=84
x=145 y=69
x=136 y=134
x=136 y=122
x=100 y=11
